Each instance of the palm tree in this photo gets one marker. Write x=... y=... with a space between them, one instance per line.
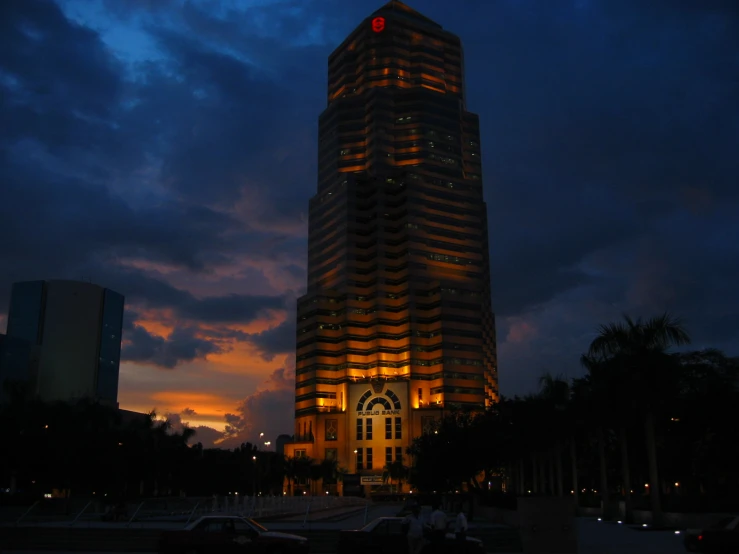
x=315 y=471
x=291 y=473
x=556 y=392
x=330 y=472
x=606 y=399
x=394 y=471
x=527 y=414
x=303 y=468
x=580 y=415
x=639 y=348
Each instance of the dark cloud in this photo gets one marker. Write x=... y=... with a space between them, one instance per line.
x=40 y=51
x=277 y=340
x=90 y=220
x=270 y=410
x=188 y=342
x=609 y=130
x=230 y=308
x=182 y=345
x=207 y=436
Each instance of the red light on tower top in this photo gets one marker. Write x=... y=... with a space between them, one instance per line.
x=378 y=24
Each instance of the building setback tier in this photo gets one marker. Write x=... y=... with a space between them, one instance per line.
x=397 y=325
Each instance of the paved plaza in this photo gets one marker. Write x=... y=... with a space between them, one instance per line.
x=594 y=537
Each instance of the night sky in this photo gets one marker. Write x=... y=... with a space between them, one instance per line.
x=167 y=149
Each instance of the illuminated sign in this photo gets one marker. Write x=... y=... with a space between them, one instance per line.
x=378 y=24
x=371 y=480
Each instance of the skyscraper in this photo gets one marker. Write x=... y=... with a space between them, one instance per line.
x=396 y=325
x=77 y=329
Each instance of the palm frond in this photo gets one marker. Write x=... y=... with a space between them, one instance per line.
x=663 y=331
x=611 y=338
x=588 y=362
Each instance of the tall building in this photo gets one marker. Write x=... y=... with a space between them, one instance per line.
x=397 y=325
x=16 y=366
x=77 y=330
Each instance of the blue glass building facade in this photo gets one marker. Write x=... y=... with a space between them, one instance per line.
x=77 y=330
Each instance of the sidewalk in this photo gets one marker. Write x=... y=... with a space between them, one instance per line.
x=596 y=537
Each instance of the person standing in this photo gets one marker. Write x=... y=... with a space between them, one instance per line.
x=438 y=525
x=460 y=526
x=414 y=526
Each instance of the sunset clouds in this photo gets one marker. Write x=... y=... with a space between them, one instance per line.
x=167 y=150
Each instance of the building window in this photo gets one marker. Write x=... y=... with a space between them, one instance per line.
x=399 y=454
x=388 y=455
x=398 y=429
x=359 y=428
x=369 y=458
x=420 y=396
x=388 y=428
x=332 y=429
x=360 y=460
x=300 y=453
x=369 y=429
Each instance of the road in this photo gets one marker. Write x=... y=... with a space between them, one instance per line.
x=594 y=537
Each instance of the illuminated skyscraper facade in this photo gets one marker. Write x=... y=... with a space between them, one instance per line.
x=397 y=324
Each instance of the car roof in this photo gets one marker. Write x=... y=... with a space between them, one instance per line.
x=212 y=518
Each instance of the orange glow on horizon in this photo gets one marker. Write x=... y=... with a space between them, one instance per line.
x=154 y=327
x=242 y=359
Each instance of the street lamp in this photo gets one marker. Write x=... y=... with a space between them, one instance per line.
x=356 y=464
x=254 y=487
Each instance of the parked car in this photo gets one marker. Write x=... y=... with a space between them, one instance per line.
x=387 y=535
x=722 y=536
x=230 y=534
